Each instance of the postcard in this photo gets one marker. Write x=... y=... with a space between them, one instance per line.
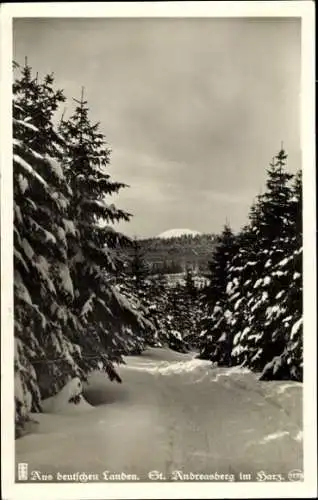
x=158 y=250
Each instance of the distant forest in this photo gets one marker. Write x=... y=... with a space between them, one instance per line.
x=177 y=254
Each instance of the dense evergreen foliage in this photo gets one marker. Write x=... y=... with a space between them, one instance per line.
x=253 y=306
x=172 y=308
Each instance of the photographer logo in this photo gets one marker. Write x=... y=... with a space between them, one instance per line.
x=23 y=472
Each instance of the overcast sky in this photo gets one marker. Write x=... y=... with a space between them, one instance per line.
x=193 y=109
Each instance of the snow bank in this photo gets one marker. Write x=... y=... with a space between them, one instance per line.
x=68 y=400
x=177 y=368
x=275 y=435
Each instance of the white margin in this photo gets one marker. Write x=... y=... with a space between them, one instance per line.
x=307 y=489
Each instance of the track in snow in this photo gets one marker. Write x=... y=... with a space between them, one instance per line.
x=173 y=413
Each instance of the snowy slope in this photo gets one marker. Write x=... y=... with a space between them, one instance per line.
x=174 y=412
x=176 y=233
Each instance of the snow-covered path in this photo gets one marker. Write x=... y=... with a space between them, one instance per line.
x=174 y=413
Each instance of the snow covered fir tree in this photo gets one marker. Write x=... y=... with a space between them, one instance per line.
x=69 y=317
x=82 y=302
x=253 y=306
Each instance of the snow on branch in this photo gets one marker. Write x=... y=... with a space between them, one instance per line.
x=25 y=124
x=28 y=169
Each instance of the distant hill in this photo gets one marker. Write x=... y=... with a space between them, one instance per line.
x=174 y=254
x=176 y=233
